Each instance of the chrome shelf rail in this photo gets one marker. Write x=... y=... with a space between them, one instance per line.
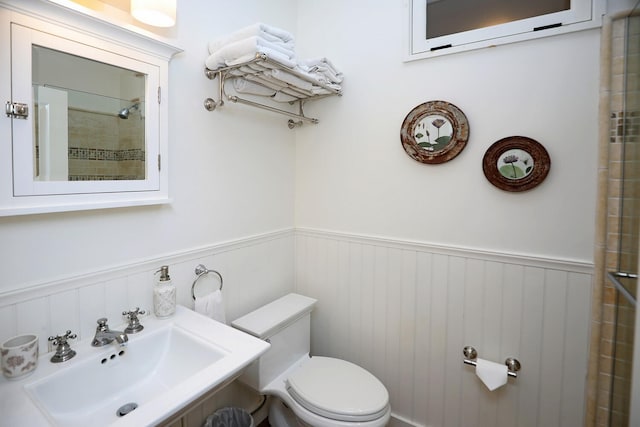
x=234 y=71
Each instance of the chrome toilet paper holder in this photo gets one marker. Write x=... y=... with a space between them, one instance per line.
x=470 y=356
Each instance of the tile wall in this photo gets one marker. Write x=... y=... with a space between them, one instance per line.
x=622 y=225
x=105 y=147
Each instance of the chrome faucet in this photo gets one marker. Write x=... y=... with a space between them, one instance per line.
x=105 y=336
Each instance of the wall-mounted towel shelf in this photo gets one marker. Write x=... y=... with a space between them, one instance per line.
x=257 y=72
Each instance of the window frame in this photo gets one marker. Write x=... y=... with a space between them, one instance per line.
x=582 y=15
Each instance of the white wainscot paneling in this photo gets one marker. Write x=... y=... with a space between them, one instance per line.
x=256 y=270
x=404 y=311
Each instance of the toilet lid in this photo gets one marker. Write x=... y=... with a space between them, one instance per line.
x=337 y=389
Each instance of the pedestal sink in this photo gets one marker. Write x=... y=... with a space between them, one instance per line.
x=161 y=370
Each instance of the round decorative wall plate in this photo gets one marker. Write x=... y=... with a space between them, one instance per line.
x=434 y=132
x=516 y=163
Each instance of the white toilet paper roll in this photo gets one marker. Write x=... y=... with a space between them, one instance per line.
x=492 y=374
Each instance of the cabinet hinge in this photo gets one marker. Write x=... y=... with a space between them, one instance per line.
x=159 y=95
x=159 y=163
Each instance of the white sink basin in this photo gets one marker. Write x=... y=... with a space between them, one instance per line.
x=161 y=370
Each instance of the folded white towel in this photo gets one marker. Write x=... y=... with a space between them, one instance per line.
x=325 y=62
x=326 y=75
x=267 y=32
x=211 y=305
x=291 y=79
x=323 y=69
x=245 y=86
x=245 y=50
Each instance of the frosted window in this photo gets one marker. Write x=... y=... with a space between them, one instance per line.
x=440 y=27
x=446 y=17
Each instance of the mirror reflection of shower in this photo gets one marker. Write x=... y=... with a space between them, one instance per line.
x=124 y=113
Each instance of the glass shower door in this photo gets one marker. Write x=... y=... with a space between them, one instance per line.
x=625 y=393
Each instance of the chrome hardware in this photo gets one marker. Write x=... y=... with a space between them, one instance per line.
x=238 y=100
x=210 y=104
x=470 y=353
x=470 y=356
x=16 y=110
x=293 y=124
x=614 y=277
x=105 y=336
x=63 y=349
x=134 y=323
x=224 y=73
x=201 y=270
x=512 y=364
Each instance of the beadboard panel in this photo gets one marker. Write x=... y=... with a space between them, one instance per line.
x=404 y=311
x=256 y=270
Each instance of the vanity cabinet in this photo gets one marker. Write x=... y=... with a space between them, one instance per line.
x=86 y=114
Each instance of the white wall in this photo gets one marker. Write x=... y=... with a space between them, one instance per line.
x=231 y=172
x=620 y=6
x=352 y=174
x=411 y=262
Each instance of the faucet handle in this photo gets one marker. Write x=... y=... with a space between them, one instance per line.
x=58 y=339
x=63 y=349
x=102 y=322
x=133 y=313
x=134 y=324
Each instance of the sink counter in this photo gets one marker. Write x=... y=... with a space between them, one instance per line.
x=164 y=368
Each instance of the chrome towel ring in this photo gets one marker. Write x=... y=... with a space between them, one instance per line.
x=201 y=270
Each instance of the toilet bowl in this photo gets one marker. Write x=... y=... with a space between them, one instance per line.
x=319 y=391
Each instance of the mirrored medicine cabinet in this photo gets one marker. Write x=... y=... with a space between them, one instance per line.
x=85 y=122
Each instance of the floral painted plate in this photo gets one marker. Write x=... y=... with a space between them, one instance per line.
x=516 y=163
x=434 y=132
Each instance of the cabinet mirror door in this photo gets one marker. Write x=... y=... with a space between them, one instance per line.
x=91 y=124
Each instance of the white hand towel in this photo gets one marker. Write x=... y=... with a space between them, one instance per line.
x=211 y=305
x=492 y=374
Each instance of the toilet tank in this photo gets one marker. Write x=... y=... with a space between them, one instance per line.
x=286 y=324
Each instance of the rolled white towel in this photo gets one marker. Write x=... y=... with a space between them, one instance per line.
x=260 y=78
x=246 y=86
x=267 y=32
x=241 y=71
x=291 y=79
x=297 y=92
x=283 y=97
x=245 y=50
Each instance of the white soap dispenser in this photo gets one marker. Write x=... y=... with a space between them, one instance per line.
x=164 y=294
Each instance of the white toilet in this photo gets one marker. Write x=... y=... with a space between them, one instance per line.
x=321 y=391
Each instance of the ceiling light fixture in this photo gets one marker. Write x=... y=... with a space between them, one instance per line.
x=159 y=13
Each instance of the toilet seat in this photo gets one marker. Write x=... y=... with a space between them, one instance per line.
x=338 y=390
